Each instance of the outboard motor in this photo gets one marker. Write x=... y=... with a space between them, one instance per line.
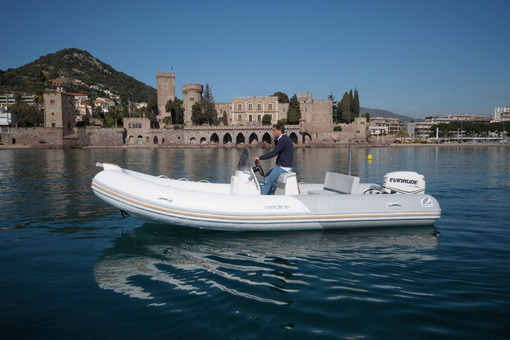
x=403 y=182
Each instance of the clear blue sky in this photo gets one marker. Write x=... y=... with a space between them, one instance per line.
x=416 y=58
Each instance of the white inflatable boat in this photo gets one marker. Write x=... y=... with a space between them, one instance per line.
x=340 y=202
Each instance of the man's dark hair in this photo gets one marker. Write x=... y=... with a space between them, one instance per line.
x=280 y=127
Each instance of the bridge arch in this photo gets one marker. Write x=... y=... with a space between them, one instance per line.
x=307 y=138
x=214 y=139
x=155 y=140
x=266 y=138
x=227 y=138
x=294 y=137
x=240 y=138
x=254 y=139
x=203 y=140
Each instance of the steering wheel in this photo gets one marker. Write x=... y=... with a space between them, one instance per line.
x=258 y=168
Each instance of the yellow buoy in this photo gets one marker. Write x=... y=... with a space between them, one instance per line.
x=369 y=157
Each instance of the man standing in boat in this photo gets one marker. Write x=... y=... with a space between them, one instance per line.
x=284 y=149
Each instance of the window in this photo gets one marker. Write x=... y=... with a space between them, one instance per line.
x=259 y=106
x=250 y=106
x=240 y=117
x=239 y=106
x=258 y=118
x=283 y=109
x=306 y=109
x=270 y=106
x=192 y=99
x=52 y=101
x=250 y=118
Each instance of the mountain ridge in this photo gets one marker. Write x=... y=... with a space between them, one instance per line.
x=80 y=71
x=387 y=114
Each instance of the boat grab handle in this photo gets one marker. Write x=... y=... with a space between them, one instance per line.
x=393 y=204
x=169 y=199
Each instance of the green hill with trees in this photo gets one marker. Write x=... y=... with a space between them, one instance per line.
x=80 y=72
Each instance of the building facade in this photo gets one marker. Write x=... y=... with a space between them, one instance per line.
x=501 y=114
x=383 y=125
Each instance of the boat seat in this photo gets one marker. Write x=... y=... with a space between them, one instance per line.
x=287 y=184
x=337 y=184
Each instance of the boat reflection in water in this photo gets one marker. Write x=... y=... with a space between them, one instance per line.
x=155 y=264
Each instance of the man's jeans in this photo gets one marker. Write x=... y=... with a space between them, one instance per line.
x=270 y=180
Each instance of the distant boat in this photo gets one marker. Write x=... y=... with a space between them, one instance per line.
x=340 y=202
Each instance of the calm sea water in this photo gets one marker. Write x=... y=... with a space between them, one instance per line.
x=72 y=267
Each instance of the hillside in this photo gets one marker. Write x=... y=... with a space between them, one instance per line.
x=386 y=114
x=79 y=70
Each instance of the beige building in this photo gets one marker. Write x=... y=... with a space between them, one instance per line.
x=316 y=115
x=383 y=125
x=245 y=111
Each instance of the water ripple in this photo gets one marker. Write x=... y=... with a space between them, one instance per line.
x=268 y=268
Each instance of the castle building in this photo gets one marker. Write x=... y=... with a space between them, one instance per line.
x=166 y=92
x=316 y=115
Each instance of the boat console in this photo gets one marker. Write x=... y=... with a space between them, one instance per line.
x=244 y=181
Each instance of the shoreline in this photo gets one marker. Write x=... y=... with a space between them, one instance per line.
x=209 y=146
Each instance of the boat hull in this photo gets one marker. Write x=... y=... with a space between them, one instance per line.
x=172 y=202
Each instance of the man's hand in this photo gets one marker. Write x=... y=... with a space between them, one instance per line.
x=256 y=159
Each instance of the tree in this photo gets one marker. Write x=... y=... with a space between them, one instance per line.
x=402 y=133
x=28 y=115
x=197 y=115
x=152 y=105
x=351 y=97
x=294 y=113
x=345 y=107
x=176 y=109
x=209 y=109
x=334 y=105
x=356 y=102
x=282 y=97
x=224 y=119
x=266 y=120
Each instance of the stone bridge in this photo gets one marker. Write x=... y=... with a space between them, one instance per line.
x=224 y=135
x=217 y=135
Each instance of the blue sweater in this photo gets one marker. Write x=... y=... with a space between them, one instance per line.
x=284 y=148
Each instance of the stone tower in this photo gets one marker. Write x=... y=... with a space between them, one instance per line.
x=59 y=111
x=166 y=91
x=192 y=93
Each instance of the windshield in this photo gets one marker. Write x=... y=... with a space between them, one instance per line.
x=244 y=161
